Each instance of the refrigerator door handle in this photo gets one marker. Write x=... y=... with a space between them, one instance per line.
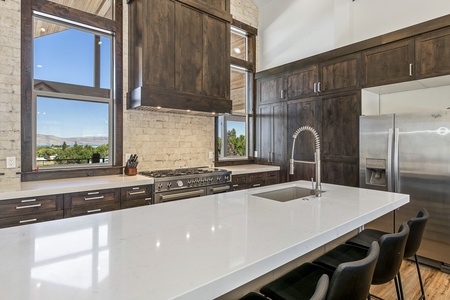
x=389 y=162
x=396 y=162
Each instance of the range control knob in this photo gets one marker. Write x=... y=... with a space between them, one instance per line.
x=179 y=183
x=169 y=184
x=160 y=186
x=218 y=178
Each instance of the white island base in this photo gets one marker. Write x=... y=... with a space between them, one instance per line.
x=199 y=248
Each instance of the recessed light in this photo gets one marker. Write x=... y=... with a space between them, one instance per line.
x=188 y=110
x=158 y=107
x=237 y=50
x=42 y=29
x=213 y=113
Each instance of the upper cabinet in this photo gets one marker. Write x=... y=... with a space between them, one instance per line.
x=340 y=74
x=271 y=89
x=391 y=63
x=179 y=55
x=302 y=82
x=433 y=54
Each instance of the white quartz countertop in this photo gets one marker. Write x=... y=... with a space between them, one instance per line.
x=198 y=248
x=251 y=168
x=70 y=185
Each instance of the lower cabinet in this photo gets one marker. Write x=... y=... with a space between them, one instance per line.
x=136 y=196
x=23 y=211
x=252 y=180
x=91 y=202
x=30 y=210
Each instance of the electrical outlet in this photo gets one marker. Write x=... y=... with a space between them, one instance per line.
x=10 y=162
x=211 y=154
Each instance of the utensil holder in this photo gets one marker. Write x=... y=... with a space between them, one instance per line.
x=130 y=171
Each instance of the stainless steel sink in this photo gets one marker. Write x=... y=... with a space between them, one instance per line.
x=287 y=194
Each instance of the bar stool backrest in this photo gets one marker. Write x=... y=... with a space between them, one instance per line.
x=416 y=230
x=352 y=280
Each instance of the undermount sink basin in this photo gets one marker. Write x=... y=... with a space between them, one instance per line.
x=287 y=194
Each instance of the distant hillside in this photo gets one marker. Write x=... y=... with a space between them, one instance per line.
x=44 y=139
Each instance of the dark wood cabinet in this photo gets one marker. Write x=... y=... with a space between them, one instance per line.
x=30 y=210
x=433 y=54
x=303 y=112
x=91 y=202
x=179 y=55
x=252 y=180
x=271 y=135
x=271 y=89
x=136 y=196
x=390 y=63
x=340 y=138
x=302 y=83
x=340 y=74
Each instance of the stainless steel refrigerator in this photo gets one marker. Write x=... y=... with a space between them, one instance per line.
x=410 y=154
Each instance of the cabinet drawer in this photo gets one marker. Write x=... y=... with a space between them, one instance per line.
x=89 y=210
x=254 y=177
x=240 y=186
x=136 y=192
x=272 y=175
x=256 y=184
x=32 y=205
x=91 y=198
x=135 y=203
x=237 y=179
x=30 y=219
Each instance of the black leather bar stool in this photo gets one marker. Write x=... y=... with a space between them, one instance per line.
x=319 y=294
x=349 y=281
x=416 y=230
x=392 y=249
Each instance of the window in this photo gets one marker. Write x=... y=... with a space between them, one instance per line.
x=72 y=94
x=72 y=105
x=233 y=130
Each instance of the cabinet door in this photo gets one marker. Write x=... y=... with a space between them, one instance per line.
x=340 y=74
x=388 y=64
x=264 y=133
x=433 y=54
x=300 y=83
x=302 y=113
x=279 y=134
x=270 y=89
x=340 y=138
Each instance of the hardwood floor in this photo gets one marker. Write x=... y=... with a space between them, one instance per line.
x=436 y=284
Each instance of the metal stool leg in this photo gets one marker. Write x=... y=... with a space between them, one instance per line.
x=400 y=284
x=420 y=278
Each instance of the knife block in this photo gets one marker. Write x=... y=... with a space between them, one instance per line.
x=130 y=171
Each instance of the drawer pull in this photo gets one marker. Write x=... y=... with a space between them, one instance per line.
x=256 y=184
x=94 y=210
x=93 y=193
x=136 y=188
x=148 y=199
x=28 y=200
x=93 y=198
x=27 y=221
x=235 y=185
x=29 y=206
x=136 y=193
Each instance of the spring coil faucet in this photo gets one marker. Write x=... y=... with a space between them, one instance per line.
x=318 y=188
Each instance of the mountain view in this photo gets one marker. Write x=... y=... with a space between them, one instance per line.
x=44 y=139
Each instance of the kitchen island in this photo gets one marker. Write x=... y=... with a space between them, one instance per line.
x=197 y=248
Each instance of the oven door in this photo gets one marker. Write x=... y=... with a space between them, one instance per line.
x=219 y=188
x=179 y=194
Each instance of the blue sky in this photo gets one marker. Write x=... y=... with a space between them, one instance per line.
x=68 y=56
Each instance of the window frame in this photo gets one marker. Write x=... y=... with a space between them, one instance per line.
x=249 y=66
x=28 y=9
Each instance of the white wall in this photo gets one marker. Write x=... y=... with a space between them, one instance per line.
x=290 y=30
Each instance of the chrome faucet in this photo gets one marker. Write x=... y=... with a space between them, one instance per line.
x=318 y=188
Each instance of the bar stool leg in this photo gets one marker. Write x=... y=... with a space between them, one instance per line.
x=400 y=284
x=420 y=278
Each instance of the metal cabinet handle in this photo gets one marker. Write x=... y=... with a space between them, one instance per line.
x=28 y=200
x=220 y=189
x=27 y=221
x=282 y=94
x=29 y=206
x=182 y=195
x=318 y=88
x=136 y=188
x=411 y=70
x=94 y=210
x=136 y=193
x=315 y=87
x=93 y=198
x=93 y=193
x=256 y=184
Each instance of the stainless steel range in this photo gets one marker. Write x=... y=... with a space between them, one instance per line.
x=185 y=183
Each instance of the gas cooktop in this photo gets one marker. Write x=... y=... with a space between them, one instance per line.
x=181 y=172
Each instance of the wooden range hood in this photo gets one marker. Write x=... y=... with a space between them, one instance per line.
x=179 y=56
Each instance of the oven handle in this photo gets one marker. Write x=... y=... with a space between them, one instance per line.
x=220 y=189
x=178 y=196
